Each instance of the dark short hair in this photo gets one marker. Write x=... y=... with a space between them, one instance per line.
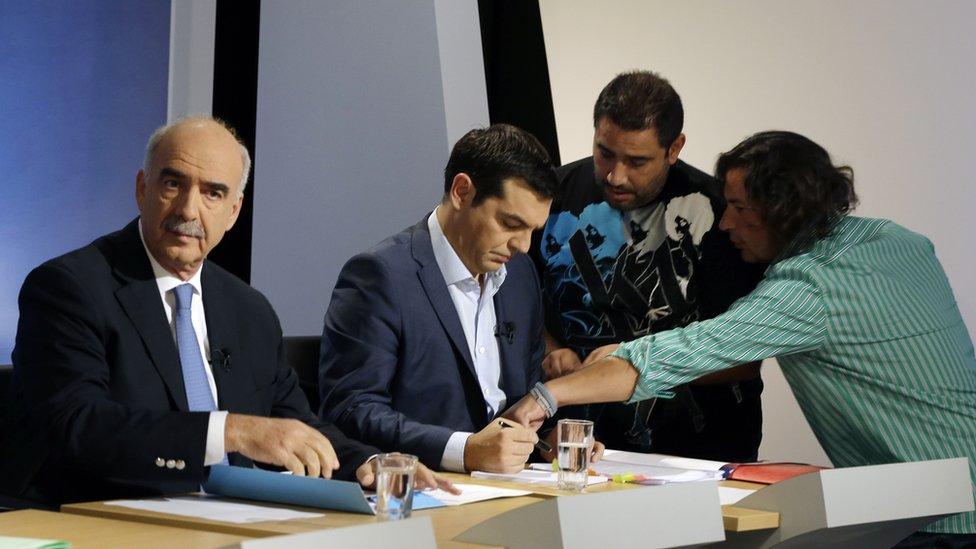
x=491 y=155
x=798 y=191
x=642 y=100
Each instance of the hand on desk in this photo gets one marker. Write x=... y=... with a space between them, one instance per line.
x=423 y=478
x=499 y=450
x=288 y=443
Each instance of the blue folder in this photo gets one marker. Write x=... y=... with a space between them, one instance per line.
x=261 y=485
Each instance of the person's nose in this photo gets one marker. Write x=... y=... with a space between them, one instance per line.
x=618 y=175
x=189 y=203
x=726 y=223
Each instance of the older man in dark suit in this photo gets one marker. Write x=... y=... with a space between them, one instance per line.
x=138 y=364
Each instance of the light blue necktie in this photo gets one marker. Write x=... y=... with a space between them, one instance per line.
x=198 y=394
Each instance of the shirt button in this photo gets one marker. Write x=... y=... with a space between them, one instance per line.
x=481 y=350
x=160 y=462
x=170 y=463
x=487 y=391
x=180 y=465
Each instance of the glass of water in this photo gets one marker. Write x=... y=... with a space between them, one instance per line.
x=574 y=445
x=394 y=485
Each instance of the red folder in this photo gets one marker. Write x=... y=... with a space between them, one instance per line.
x=769 y=473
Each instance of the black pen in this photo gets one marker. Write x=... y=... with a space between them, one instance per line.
x=541 y=445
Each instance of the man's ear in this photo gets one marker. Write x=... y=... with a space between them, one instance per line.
x=462 y=191
x=140 y=189
x=675 y=149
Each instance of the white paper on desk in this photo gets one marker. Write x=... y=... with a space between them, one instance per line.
x=535 y=475
x=471 y=493
x=213 y=509
x=621 y=463
x=731 y=496
x=662 y=460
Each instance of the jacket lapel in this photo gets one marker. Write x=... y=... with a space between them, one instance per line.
x=512 y=365
x=138 y=295
x=234 y=381
x=436 y=289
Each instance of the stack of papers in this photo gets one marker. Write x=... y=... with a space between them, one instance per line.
x=658 y=467
x=538 y=473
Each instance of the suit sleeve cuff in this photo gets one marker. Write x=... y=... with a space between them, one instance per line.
x=215 y=438
x=453 y=458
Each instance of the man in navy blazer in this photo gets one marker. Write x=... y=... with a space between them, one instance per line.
x=138 y=364
x=430 y=334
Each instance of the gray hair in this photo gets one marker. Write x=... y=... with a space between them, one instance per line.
x=161 y=132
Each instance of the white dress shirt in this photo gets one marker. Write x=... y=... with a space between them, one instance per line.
x=166 y=283
x=475 y=308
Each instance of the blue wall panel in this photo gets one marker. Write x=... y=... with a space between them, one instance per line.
x=82 y=85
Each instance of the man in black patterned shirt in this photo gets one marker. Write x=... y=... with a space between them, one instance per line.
x=632 y=247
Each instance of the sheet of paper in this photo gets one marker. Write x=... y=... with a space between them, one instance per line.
x=213 y=508
x=534 y=475
x=471 y=493
x=731 y=496
x=662 y=460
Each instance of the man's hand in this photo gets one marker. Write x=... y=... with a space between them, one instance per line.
x=499 y=449
x=423 y=478
x=285 y=442
x=526 y=412
x=560 y=362
x=600 y=352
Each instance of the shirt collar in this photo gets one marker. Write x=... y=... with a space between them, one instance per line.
x=164 y=279
x=448 y=261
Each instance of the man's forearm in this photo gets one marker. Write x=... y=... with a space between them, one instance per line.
x=607 y=380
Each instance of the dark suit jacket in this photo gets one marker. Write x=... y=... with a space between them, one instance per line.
x=395 y=369
x=98 y=387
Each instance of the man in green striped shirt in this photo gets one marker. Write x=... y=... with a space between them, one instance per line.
x=858 y=312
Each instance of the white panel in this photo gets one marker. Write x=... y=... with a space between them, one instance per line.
x=351 y=137
x=462 y=66
x=191 y=57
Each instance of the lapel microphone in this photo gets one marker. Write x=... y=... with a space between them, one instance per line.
x=506 y=330
x=220 y=357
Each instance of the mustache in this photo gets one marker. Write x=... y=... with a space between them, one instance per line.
x=183 y=227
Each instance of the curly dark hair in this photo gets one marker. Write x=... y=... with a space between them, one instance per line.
x=798 y=191
x=641 y=100
x=501 y=151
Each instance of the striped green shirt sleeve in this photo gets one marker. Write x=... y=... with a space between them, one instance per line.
x=783 y=315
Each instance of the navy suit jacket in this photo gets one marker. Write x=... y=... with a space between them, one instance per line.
x=98 y=390
x=395 y=369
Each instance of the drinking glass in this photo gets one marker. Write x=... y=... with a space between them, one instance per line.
x=575 y=442
x=394 y=485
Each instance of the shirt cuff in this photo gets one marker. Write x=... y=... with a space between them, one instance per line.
x=453 y=458
x=215 y=438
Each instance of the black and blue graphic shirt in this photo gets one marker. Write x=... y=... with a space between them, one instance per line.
x=611 y=276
